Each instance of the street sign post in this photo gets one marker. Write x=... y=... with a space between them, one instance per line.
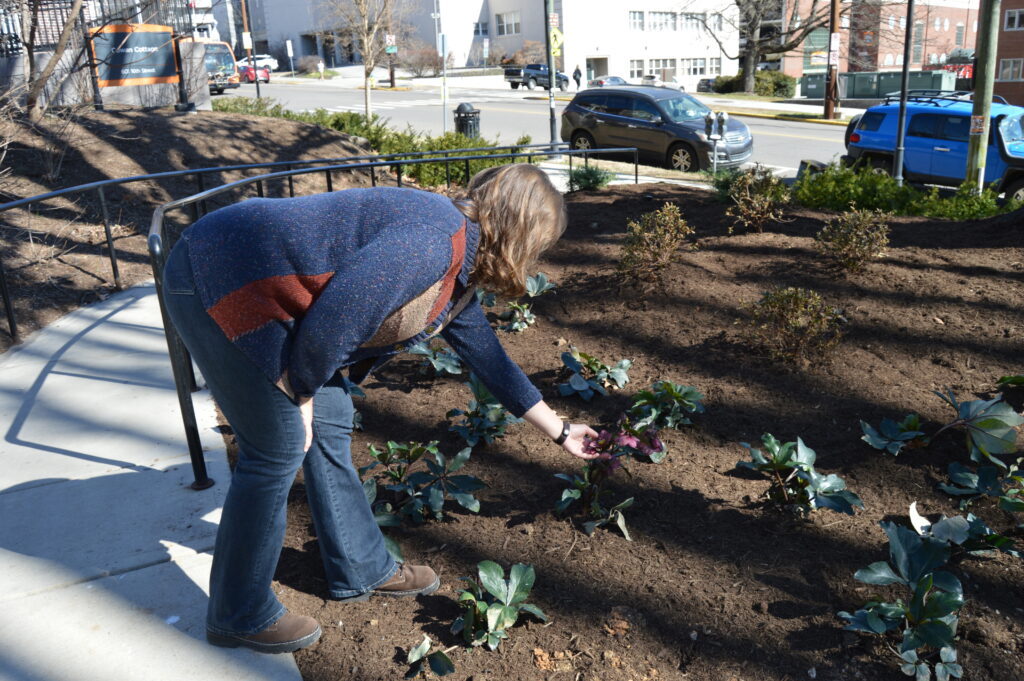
x=291 y=54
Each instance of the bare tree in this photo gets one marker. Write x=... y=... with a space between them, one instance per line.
x=364 y=24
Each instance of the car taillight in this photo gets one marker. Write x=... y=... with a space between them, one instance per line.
x=855 y=137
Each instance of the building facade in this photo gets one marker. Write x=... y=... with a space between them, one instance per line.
x=872 y=36
x=1010 y=53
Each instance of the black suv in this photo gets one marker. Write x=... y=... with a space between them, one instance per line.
x=938 y=132
x=666 y=126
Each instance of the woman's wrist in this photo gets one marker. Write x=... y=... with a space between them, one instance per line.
x=562 y=435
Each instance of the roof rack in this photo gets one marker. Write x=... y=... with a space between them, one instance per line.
x=936 y=97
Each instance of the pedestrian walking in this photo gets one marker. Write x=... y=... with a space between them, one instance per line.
x=275 y=297
x=576 y=75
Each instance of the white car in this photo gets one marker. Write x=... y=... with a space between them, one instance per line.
x=654 y=81
x=261 y=61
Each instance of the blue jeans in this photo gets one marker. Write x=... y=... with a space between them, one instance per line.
x=270 y=441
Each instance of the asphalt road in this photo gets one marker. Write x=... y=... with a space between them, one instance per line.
x=507 y=114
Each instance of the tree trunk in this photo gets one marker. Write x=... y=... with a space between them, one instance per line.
x=750 y=57
x=366 y=95
x=32 y=104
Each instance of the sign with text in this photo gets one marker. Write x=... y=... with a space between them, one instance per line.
x=133 y=54
x=288 y=48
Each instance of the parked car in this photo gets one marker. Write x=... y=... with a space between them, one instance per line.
x=706 y=85
x=606 y=81
x=652 y=80
x=665 y=126
x=937 y=135
x=261 y=60
x=249 y=76
x=533 y=75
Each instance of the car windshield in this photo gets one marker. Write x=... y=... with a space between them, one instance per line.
x=683 y=108
x=1011 y=129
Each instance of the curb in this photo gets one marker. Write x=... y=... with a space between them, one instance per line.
x=784 y=117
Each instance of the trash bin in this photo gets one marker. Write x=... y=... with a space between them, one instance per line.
x=467 y=120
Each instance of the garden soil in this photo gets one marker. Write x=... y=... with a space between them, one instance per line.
x=715 y=585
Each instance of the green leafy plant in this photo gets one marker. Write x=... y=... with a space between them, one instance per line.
x=418 y=495
x=721 y=182
x=666 y=405
x=990 y=427
x=758 y=196
x=854 y=238
x=588 y=177
x=538 y=285
x=491 y=605
x=929 y=618
x=437 y=661
x=518 y=317
x=795 y=484
x=1012 y=381
x=794 y=324
x=439 y=358
x=970 y=535
x=484 y=420
x=892 y=436
x=486 y=298
x=589 y=376
x=987 y=481
x=652 y=244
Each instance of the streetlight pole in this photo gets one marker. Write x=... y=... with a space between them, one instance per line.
x=442 y=50
x=248 y=48
x=901 y=119
x=549 y=9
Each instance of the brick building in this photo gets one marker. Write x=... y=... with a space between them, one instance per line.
x=872 y=35
x=1010 y=53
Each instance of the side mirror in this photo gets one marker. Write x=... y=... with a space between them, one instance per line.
x=657 y=120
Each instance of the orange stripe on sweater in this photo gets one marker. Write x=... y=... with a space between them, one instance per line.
x=448 y=283
x=281 y=298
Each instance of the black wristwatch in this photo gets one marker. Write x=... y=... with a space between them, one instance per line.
x=564 y=434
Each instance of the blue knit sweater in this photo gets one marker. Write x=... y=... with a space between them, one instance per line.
x=307 y=286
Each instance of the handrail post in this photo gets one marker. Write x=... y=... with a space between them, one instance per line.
x=399 y=174
x=467 y=172
x=110 y=239
x=330 y=181
x=448 y=171
x=202 y=187
x=636 y=166
x=8 y=307
x=291 y=182
x=181 y=371
x=259 y=189
x=570 y=164
x=373 y=177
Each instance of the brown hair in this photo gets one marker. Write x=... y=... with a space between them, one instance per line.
x=520 y=214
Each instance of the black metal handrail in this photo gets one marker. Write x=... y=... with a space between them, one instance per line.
x=200 y=173
x=181 y=363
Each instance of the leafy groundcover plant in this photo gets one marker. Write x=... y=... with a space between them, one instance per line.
x=892 y=436
x=665 y=405
x=795 y=485
x=589 y=376
x=438 y=661
x=929 y=619
x=439 y=358
x=990 y=427
x=484 y=420
x=491 y=604
x=519 y=316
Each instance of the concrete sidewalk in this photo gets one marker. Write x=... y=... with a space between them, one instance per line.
x=105 y=550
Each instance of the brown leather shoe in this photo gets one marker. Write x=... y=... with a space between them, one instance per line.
x=286 y=635
x=410 y=580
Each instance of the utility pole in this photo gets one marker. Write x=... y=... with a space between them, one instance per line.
x=549 y=9
x=901 y=119
x=832 y=84
x=984 y=74
x=247 y=44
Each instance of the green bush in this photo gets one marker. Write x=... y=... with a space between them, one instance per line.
x=381 y=138
x=722 y=182
x=854 y=238
x=766 y=84
x=652 y=244
x=758 y=196
x=794 y=324
x=589 y=177
x=841 y=188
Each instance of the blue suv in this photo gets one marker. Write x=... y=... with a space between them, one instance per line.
x=938 y=129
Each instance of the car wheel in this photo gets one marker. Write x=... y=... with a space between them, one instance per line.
x=681 y=157
x=880 y=165
x=582 y=140
x=531 y=84
x=1015 y=190
x=849 y=130
x=515 y=86
x=218 y=90
x=563 y=86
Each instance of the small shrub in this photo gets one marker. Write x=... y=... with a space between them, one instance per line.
x=794 y=324
x=589 y=177
x=652 y=244
x=854 y=238
x=484 y=420
x=666 y=405
x=892 y=436
x=491 y=604
x=722 y=181
x=841 y=188
x=766 y=84
x=589 y=375
x=795 y=485
x=758 y=196
x=965 y=204
x=586 y=489
x=518 y=317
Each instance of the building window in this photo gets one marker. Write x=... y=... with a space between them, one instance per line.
x=945 y=25
x=695 y=67
x=889 y=60
x=636 y=21
x=664 y=68
x=917 y=54
x=933 y=58
x=844 y=21
x=938 y=23
x=661 y=21
x=717 y=22
x=715 y=66
x=507 y=23
x=1014 y=20
x=480 y=28
x=636 y=68
x=694 y=22
x=892 y=21
x=1010 y=69
x=903 y=23
x=960 y=30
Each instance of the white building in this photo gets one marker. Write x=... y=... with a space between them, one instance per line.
x=602 y=37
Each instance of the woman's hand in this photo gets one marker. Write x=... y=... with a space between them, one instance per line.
x=306 y=409
x=573 y=444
